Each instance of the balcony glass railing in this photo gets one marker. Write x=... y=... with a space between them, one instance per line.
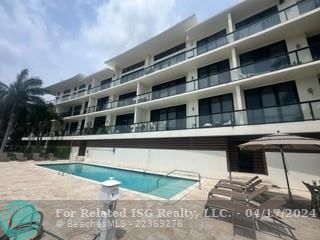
x=101 y=107
x=296 y=10
x=294 y=58
x=170 y=61
x=304 y=111
x=283 y=61
x=166 y=92
x=131 y=76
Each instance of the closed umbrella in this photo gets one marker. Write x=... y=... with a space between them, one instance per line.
x=282 y=142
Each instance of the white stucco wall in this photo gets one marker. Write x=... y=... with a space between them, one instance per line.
x=301 y=167
x=208 y=163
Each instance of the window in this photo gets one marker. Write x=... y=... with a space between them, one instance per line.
x=105 y=83
x=77 y=110
x=128 y=95
x=85 y=110
x=170 y=118
x=73 y=127
x=82 y=88
x=131 y=76
x=257 y=17
x=124 y=122
x=102 y=103
x=127 y=99
x=214 y=41
x=276 y=103
x=257 y=23
x=314 y=43
x=170 y=51
x=126 y=119
x=216 y=111
x=66 y=93
x=265 y=59
x=214 y=74
x=99 y=122
x=169 y=88
x=133 y=67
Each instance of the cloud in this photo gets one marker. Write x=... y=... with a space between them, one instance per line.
x=55 y=44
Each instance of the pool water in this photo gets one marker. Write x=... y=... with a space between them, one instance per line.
x=157 y=185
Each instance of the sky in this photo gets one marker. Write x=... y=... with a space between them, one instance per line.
x=57 y=39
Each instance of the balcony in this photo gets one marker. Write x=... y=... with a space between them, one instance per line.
x=170 y=61
x=290 y=59
x=276 y=63
x=300 y=8
x=304 y=111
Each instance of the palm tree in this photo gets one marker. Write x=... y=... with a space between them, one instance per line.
x=22 y=93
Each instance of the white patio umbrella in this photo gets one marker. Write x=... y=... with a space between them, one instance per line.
x=282 y=142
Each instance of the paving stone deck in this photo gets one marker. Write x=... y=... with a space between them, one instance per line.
x=50 y=191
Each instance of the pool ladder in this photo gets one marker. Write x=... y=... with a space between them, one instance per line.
x=65 y=169
x=181 y=171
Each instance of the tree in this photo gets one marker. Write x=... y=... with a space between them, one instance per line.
x=21 y=94
x=40 y=119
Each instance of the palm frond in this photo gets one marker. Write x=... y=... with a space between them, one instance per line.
x=35 y=91
x=22 y=76
x=32 y=83
x=3 y=89
x=35 y=100
x=3 y=86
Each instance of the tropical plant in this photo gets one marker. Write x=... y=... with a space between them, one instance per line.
x=40 y=119
x=21 y=94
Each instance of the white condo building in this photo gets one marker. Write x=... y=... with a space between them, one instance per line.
x=186 y=98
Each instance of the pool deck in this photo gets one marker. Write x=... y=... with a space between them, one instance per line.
x=50 y=191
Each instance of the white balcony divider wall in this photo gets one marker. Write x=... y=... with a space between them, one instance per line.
x=211 y=164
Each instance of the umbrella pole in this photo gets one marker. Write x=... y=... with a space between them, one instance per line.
x=286 y=173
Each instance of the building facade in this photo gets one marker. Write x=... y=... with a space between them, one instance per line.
x=186 y=98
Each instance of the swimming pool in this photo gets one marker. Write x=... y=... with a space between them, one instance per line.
x=157 y=185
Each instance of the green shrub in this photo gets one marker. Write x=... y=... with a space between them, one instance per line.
x=60 y=152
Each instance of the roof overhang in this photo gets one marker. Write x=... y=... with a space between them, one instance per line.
x=65 y=84
x=165 y=40
x=79 y=79
x=101 y=75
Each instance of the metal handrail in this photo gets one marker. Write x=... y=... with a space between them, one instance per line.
x=181 y=171
x=65 y=169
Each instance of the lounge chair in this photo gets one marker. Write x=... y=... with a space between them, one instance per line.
x=265 y=209
x=20 y=157
x=4 y=157
x=241 y=183
x=36 y=157
x=238 y=188
x=21 y=220
x=240 y=196
x=51 y=156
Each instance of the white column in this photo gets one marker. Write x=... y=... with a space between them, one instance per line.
x=192 y=85
x=190 y=45
x=148 y=60
x=117 y=75
x=234 y=63
x=239 y=104
x=192 y=114
x=230 y=27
